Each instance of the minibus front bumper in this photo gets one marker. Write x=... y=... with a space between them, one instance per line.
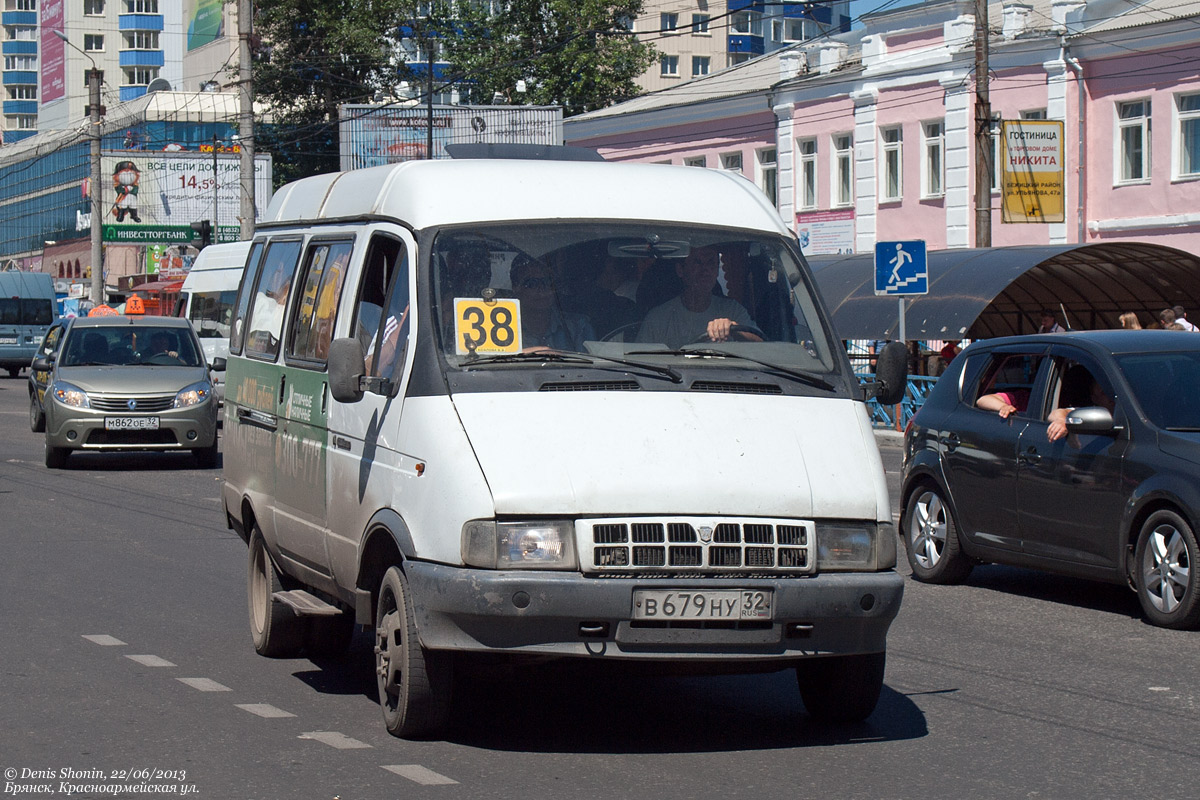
x=570 y=614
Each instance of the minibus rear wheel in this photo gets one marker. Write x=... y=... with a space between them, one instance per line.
x=276 y=630
x=414 y=683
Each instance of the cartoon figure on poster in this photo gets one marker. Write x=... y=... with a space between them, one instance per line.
x=125 y=187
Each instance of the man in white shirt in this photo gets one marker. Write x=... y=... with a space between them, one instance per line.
x=697 y=311
x=1181 y=318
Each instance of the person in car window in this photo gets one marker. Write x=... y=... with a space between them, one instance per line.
x=160 y=344
x=1005 y=403
x=697 y=311
x=1079 y=388
x=543 y=322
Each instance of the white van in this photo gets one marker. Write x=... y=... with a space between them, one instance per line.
x=445 y=423
x=207 y=299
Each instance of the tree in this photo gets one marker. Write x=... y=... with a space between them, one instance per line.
x=318 y=54
x=579 y=54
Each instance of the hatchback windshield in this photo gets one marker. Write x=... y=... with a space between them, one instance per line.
x=130 y=345
x=654 y=292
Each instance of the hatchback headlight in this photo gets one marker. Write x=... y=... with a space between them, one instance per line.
x=545 y=544
x=194 y=394
x=855 y=546
x=70 y=395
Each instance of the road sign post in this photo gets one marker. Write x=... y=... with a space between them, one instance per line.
x=901 y=269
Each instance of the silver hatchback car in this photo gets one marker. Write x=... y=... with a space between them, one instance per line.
x=129 y=383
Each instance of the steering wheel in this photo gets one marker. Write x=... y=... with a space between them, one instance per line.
x=735 y=328
x=628 y=326
x=162 y=360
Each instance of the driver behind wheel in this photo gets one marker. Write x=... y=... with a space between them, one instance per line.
x=160 y=344
x=697 y=312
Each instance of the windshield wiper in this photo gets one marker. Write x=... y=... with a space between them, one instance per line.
x=561 y=357
x=794 y=374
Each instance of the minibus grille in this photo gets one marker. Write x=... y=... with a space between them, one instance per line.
x=590 y=386
x=736 y=388
x=697 y=546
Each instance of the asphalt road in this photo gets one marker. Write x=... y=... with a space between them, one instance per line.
x=125 y=651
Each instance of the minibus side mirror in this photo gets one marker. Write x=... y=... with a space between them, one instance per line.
x=218 y=364
x=346 y=370
x=891 y=374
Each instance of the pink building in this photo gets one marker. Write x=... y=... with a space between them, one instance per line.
x=869 y=136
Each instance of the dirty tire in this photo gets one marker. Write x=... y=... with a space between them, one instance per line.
x=414 y=683
x=1165 y=574
x=37 y=417
x=931 y=538
x=56 y=457
x=841 y=689
x=276 y=630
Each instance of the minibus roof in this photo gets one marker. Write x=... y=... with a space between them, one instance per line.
x=450 y=192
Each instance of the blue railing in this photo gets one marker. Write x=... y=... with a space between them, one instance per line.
x=919 y=387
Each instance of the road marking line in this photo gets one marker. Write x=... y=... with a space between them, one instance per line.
x=334 y=739
x=204 y=684
x=104 y=640
x=150 y=661
x=418 y=774
x=264 y=710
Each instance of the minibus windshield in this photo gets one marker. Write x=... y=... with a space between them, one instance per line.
x=656 y=293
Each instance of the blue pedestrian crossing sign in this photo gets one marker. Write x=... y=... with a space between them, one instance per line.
x=901 y=268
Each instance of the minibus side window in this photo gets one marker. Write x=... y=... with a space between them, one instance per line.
x=324 y=271
x=268 y=307
x=384 y=285
x=36 y=311
x=245 y=292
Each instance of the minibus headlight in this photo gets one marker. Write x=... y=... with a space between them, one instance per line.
x=850 y=546
x=193 y=395
x=544 y=544
x=70 y=395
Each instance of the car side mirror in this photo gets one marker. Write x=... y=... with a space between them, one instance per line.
x=218 y=364
x=1091 y=419
x=891 y=374
x=346 y=367
x=42 y=364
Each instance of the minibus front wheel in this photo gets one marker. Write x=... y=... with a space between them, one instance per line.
x=414 y=683
x=276 y=630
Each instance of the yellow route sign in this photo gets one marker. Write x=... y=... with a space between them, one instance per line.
x=486 y=326
x=1031 y=171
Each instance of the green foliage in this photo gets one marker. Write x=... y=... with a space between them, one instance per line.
x=575 y=53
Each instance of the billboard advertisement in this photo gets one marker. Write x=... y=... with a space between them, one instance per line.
x=205 y=22
x=53 y=53
x=1031 y=171
x=152 y=197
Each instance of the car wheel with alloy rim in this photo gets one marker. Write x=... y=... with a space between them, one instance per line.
x=931 y=538
x=1167 y=582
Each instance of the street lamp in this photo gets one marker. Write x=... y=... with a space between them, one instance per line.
x=94 y=111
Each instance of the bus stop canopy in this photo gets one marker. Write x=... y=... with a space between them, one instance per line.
x=977 y=293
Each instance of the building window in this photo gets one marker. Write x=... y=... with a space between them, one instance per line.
x=22 y=5
x=808 y=172
x=700 y=23
x=1189 y=136
x=695 y=161
x=669 y=65
x=22 y=93
x=1034 y=113
x=141 y=6
x=20 y=62
x=668 y=22
x=93 y=42
x=747 y=22
x=794 y=31
x=141 y=40
x=776 y=30
x=140 y=76
x=93 y=8
x=731 y=162
x=1133 y=141
x=933 y=167
x=892 y=186
x=27 y=122
x=768 y=175
x=22 y=34
x=700 y=65
x=843 y=170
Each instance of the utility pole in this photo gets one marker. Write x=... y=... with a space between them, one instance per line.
x=245 y=118
x=95 y=111
x=216 y=181
x=983 y=131
x=429 y=86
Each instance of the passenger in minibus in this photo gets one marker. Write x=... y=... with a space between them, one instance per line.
x=544 y=324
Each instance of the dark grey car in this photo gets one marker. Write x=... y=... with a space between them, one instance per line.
x=1116 y=499
x=128 y=383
